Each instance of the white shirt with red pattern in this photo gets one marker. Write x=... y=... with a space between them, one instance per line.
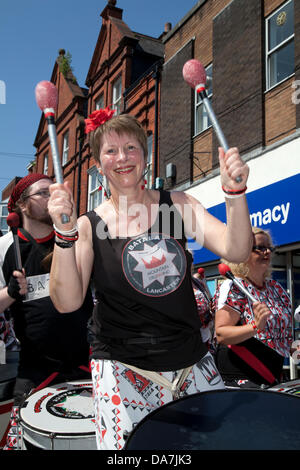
x=7 y=333
x=278 y=331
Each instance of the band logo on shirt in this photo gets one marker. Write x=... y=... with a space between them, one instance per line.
x=37 y=287
x=154 y=265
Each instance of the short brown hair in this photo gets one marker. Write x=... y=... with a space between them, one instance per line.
x=121 y=124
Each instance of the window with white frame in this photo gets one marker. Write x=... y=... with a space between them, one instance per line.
x=95 y=196
x=202 y=121
x=99 y=103
x=280 y=62
x=148 y=175
x=3 y=217
x=65 y=148
x=117 y=95
x=46 y=164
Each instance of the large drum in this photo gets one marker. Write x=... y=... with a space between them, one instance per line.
x=291 y=387
x=8 y=374
x=222 y=420
x=59 y=417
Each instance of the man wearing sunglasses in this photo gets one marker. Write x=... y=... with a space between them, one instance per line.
x=52 y=346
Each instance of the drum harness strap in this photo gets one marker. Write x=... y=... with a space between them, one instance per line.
x=51 y=378
x=173 y=387
x=253 y=362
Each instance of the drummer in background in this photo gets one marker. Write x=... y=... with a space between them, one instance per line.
x=297 y=314
x=254 y=338
x=205 y=312
x=147 y=347
x=52 y=346
x=295 y=349
x=7 y=334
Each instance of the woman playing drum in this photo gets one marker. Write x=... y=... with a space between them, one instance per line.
x=147 y=347
x=254 y=337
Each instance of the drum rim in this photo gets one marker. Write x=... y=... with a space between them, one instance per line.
x=206 y=392
x=57 y=435
x=291 y=382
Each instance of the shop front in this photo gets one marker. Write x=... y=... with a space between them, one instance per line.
x=273 y=207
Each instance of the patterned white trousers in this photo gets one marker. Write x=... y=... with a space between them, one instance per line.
x=122 y=397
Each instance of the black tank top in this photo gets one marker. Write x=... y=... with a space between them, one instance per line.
x=146 y=313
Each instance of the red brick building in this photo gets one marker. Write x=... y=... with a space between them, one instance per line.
x=142 y=75
x=230 y=38
x=124 y=74
x=251 y=51
x=69 y=120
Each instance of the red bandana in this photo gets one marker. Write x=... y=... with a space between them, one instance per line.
x=21 y=186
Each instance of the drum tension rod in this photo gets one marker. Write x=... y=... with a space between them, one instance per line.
x=52 y=436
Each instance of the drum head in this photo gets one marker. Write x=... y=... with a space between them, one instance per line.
x=222 y=420
x=60 y=413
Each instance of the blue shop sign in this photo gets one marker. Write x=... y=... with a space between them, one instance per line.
x=274 y=208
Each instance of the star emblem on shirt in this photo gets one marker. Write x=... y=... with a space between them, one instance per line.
x=155 y=263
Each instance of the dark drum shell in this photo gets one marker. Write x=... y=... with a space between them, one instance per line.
x=241 y=419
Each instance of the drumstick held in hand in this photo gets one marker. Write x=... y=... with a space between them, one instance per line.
x=201 y=273
x=195 y=76
x=224 y=270
x=13 y=221
x=46 y=97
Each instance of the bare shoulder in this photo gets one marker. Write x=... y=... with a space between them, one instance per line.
x=226 y=316
x=84 y=246
x=103 y=207
x=154 y=195
x=182 y=198
x=84 y=228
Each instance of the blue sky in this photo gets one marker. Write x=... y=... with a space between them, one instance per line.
x=31 y=33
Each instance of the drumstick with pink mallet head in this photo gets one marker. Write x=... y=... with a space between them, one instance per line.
x=201 y=273
x=225 y=271
x=47 y=97
x=13 y=221
x=201 y=283
x=194 y=75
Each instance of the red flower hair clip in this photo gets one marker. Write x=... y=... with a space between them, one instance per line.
x=97 y=118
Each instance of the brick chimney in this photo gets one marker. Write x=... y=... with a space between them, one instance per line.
x=168 y=27
x=112 y=10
